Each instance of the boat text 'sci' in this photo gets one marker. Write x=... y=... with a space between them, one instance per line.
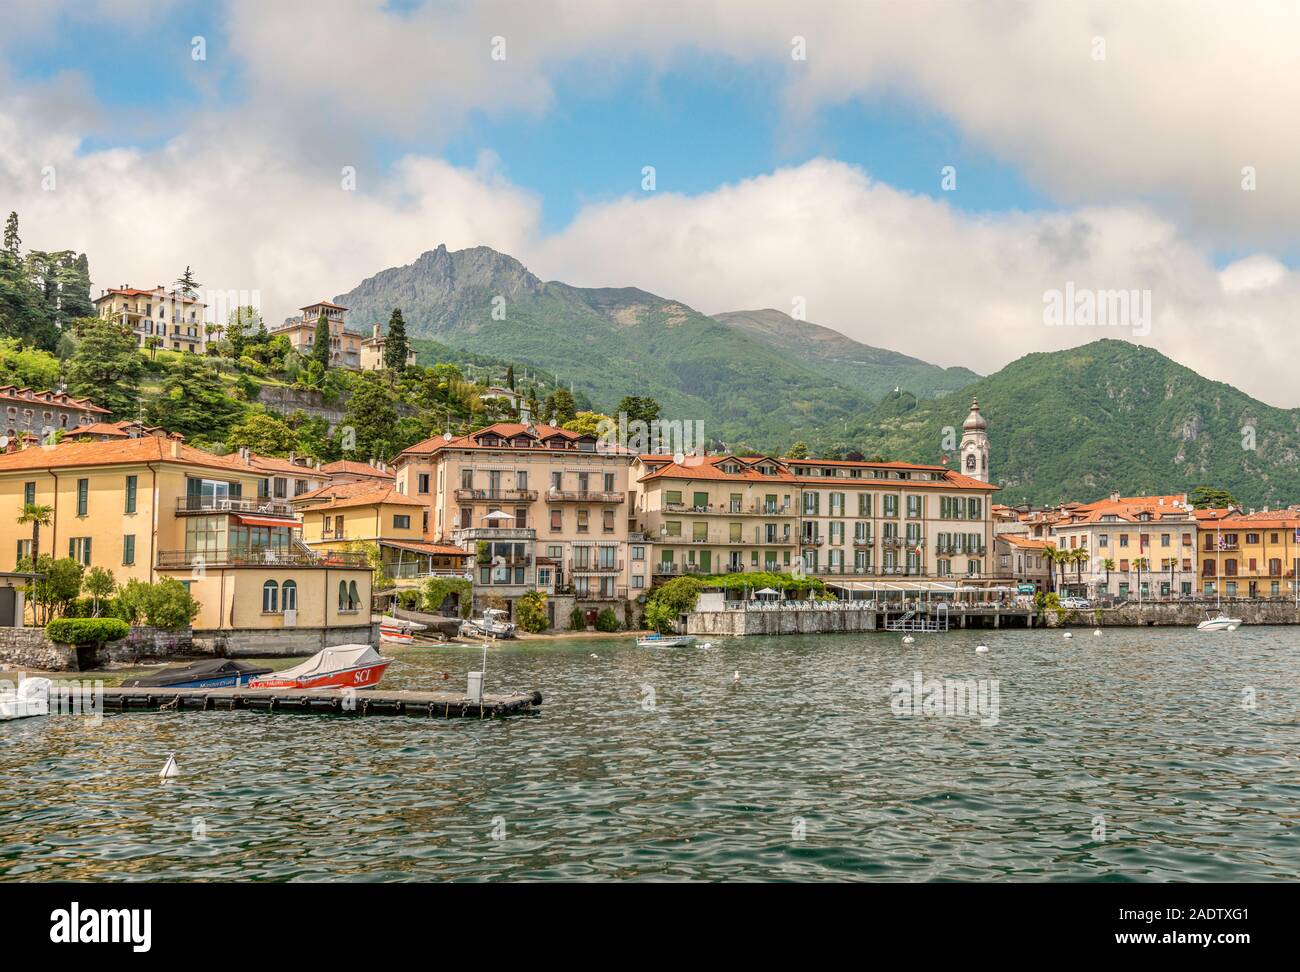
x=344 y=666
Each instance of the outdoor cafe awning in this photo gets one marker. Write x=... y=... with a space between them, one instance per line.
x=914 y=587
x=268 y=521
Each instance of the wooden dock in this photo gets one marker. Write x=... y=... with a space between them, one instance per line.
x=425 y=705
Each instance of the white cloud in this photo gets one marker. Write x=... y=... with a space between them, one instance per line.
x=242 y=213
x=911 y=274
x=1185 y=97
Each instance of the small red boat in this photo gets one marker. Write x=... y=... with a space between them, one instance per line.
x=343 y=666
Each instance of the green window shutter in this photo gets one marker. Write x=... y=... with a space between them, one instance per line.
x=128 y=548
x=130 y=493
x=83 y=496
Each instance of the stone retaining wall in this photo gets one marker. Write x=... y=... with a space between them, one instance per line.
x=32 y=648
x=287 y=642
x=731 y=624
x=1160 y=613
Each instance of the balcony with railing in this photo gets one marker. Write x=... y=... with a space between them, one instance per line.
x=492 y=533
x=729 y=509
x=584 y=496
x=466 y=495
x=189 y=505
x=596 y=568
x=256 y=557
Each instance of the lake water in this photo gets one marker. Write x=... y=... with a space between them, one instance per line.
x=647 y=764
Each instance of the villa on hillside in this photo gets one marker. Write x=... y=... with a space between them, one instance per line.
x=168 y=315
x=345 y=344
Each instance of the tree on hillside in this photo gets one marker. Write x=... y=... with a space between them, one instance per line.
x=238 y=322
x=510 y=377
x=586 y=423
x=106 y=367
x=27 y=367
x=797 y=451
x=639 y=408
x=186 y=285
x=264 y=434
x=193 y=401
x=1208 y=497
x=24 y=311
x=396 y=347
x=372 y=417
x=320 y=349
x=560 y=407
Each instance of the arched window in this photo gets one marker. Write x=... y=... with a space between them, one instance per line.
x=270 y=596
x=343 y=595
x=354 y=600
x=289 y=595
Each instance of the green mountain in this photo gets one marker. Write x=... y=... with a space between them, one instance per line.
x=747 y=389
x=1078 y=424
x=874 y=371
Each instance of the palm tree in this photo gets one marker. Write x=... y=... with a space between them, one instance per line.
x=38 y=516
x=1080 y=557
x=1108 y=565
x=1060 y=558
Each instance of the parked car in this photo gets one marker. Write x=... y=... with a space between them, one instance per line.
x=1075 y=602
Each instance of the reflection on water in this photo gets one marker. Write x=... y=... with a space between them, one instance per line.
x=657 y=764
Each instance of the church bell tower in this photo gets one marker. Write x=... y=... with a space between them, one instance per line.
x=975 y=444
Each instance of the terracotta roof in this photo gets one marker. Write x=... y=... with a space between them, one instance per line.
x=324 y=303
x=1020 y=540
x=274 y=464
x=709 y=467
x=13 y=393
x=113 y=430
x=71 y=454
x=424 y=547
x=539 y=435
x=344 y=495
x=355 y=469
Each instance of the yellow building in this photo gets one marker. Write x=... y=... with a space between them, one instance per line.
x=343 y=516
x=154 y=507
x=1255 y=555
x=372 y=350
x=345 y=344
x=173 y=318
x=835 y=519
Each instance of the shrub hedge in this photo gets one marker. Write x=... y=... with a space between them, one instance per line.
x=86 y=631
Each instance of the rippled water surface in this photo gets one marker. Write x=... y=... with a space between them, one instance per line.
x=658 y=765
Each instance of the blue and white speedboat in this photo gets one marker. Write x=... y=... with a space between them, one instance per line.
x=209 y=673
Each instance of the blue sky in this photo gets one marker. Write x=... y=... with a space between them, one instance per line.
x=705 y=123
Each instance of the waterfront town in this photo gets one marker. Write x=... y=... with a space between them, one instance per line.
x=563 y=527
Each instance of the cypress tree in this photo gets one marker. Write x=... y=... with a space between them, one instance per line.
x=320 y=349
x=396 y=347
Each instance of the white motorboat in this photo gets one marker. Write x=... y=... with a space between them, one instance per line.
x=30 y=698
x=665 y=641
x=399 y=631
x=1219 y=623
x=493 y=622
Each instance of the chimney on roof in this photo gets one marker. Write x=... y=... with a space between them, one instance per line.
x=246 y=454
x=376 y=327
x=1114 y=497
x=176 y=448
